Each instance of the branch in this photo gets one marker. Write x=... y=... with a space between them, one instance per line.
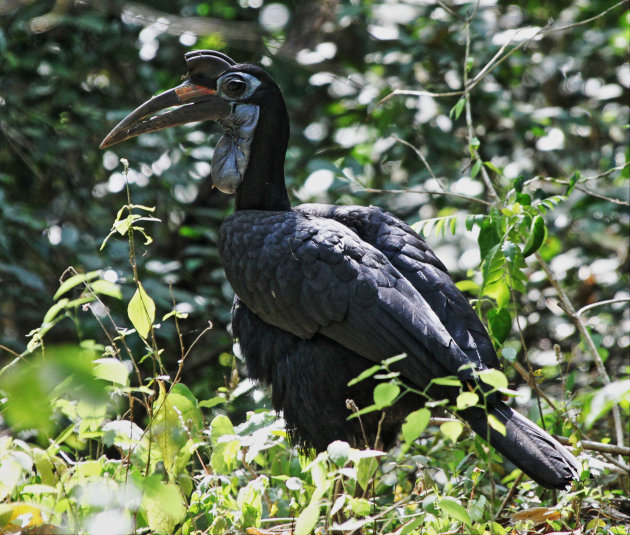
x=420 y=191
x=469 y=123
x=496 y=60
x=586 y=337
x=589 y=445
x=597 y=446
x=602 y=303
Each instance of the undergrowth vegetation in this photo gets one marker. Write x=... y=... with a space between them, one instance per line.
x=106 y=431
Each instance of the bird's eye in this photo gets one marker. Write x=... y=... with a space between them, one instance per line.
x=234 y=88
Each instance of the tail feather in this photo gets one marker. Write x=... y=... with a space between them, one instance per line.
x=525 y=444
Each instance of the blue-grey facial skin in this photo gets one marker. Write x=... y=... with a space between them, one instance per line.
x=231 y=155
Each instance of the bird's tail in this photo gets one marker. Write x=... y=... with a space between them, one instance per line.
x=525 y=444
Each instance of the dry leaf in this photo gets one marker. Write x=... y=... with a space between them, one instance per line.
x=537 y=515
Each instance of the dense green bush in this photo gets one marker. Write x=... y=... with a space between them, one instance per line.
x=122 y=402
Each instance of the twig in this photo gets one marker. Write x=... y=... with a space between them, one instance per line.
x=589 y=445
x=586 y=337
x=421 y=156
x=511 y=493
x=605 y=173
x=584 y=189
x=616 y=463
x=597 y=446
x=495 y=62
x=586 y=21
x=422 y=191
x=17 y=358
x=469 y=122
x=602 y=303
x=600 y=196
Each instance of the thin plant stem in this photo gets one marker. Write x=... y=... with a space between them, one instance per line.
x=586 y=338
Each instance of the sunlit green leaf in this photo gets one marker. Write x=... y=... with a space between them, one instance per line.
x=365 y=374
x=466 y=400
x=496 y=424
x=415 y=423
x=163 y=504
x=493 y=377
x=338 y=451
x=141 y=311
x=113 y=370
x=75 y=280
x=249 y=501
x=366 y=468
x=385 y=394
x=455 y=510
x=360 y=506
x=307 y=519
x=452 y=430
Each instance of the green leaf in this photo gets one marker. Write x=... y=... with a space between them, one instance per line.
x=467 y=286
x=536 y=237
x=103 y=287
x=167 y=429
x=307 y=520
x=385 y=394
x=141 y=311
x=75 y=280
x=518 y=183
x=366 y=468
x=446 y=381
x=572 y=182
x=457 y=109
x=466 y=400
x=500 y=323
x=391 y=360
x=338 y=452
x=163 y=505
x=524 y=199
x=360 y=506
x=212 y=402
x=496 y=424
x=493 y=168
x=476 y=168
x=452 y=430
x=494 y=377
x=455 y=510
x=477 y=508
x=225 y=456
x=365 y=374
x=112 y=370
x=415 y=423
x=249 y=501
x=510 y=250
x=221 y=425
x=487 y=239
x=54 y=310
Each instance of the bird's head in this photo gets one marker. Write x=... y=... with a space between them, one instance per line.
x=215 y=88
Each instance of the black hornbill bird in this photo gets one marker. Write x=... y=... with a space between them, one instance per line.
x=324 y=292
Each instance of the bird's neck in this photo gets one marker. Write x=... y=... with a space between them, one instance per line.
x=263 y=186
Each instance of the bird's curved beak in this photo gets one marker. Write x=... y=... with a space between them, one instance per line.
x=194 y=103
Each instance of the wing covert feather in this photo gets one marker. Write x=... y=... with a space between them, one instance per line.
x=315 y=275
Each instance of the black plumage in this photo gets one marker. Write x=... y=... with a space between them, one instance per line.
x=324 y=292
